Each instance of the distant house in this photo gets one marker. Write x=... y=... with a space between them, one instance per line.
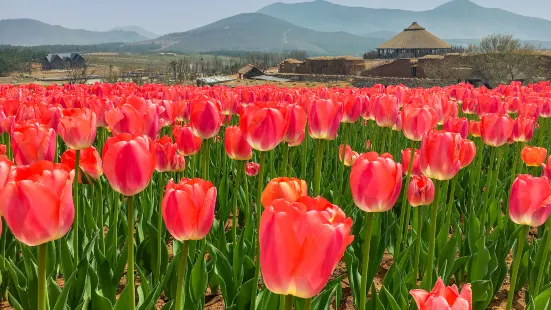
x=249 y=72
x=63 y=61
x=340 y=65
x=415 y=41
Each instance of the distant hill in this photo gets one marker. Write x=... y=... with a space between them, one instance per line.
x=259 y=32
x=458 y=19
x=144 y=33
x=33 y=32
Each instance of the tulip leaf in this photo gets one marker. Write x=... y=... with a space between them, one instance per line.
x=61 y=301
x=353 y=273
x=479 y=261
x=144 y=288
x=243 y=299
x=323 y=300
x=393 y=304
x=14 y=303
x=223 y=270
x=267 y=300
x=123 y=303
x=198 y=280
x=446 y=258
x=543 y=300
x=158 y=288
x=66 y=258
x=53 y=292
x=480 y=289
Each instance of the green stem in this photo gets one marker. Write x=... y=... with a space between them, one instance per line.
x=291 y=155
x=516 y=264
x=239 y=173
x=418 y=243
x=543 y=263
x=282 y=302
x=496 y=174
x=319 y=162
x=365 y=259
x=289 y=301
x=341 y=166
x=516 y=161
x=285 y=162
x=260 y=188
x=486 y=196
x=271 y=173
x=432 y=232
x=307 y=304
x=160 y=183
x=130 y=267
x=42 y=261
x=304 y=155
x=475 y=179
x=116 y=227
x=448 y=215
x=181 y=273
x=383 y=138
x=100 y=216
x=76 y=201
x=402 y=229
x=205 y=158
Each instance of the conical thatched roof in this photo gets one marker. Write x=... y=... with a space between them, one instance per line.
x=414 y=37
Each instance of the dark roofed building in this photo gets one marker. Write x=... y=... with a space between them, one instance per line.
x=248 y=72
x=63 y=61
x=415 y=41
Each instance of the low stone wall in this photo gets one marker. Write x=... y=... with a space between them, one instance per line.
x=366 y=81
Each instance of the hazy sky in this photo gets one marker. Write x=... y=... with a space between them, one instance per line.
x=163 y=16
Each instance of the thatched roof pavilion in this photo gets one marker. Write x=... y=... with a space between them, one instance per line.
x=414 y=41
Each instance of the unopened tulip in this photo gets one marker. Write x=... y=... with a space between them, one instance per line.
x=205 y=118
x=128 y=162
x=420 y=191
x=495 y=129
x=474 y=128
x=406 y=156
x=469 y=106
x=530 y=200
x=167 y=157
x=296 y=120
x=523 y=129
x=298 y=141
x=37 y=202
x=444 y=297
x=467 y=152
x=546 y=169
x=301 y=243
x=533 y=156
x=235 y=144
x=89 y=162
x=349 y=157
x=458 y=125
x=417 y=121
x=352 y=109
x=289 y=189
x=262 y=127
x=125 y=119
x=375 y=182
x=440 y=155
x=77 y=128
x=324 y=118
x=187 y=142
x=252 y=169
x=529 y=110
x=32 y=143
x=385 y=111
x=5 y=170
x=188 y=208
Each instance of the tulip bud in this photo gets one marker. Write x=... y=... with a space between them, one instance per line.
x=420 y=191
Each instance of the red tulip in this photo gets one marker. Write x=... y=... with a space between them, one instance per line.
x=512 y=104
x=529 y=110
x=533 y=156
x=440 y=155
x=129 y=162
x=37 y=202
x=495 y=129
x=290 y=189
x=469 y=106
x=3 y=149
x=523 y=129
x=188 y=208
x=125 y=119
x=458 y=125
x=474 y=128
x=205 y=118
x=467 y=153
x=420 y=191
x=350 y=156
x=375 y=182
x=77 y=128
x=546 y=169
x=262 y=127
x=352 y=109
x=32 y=143
x=188 y=143
x=301 y=243
x=489 y=105
x=5 y=170
x=235 y=144
x=443 y=297
x=386 y=111
x=296 y=120
x=252 y=169
x=298 y=141
x=324 y=118
x=530 y=200
x=406 y=155
x=417 y=121
x=89 y=162
x=167 y=158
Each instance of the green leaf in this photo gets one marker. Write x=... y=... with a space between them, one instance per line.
x=123 y=303
x=542 y=301
x=481 y=289
x=243 y=298
x=224 y=271
x=13 y=302
x=479 y=261
x=324 y=298
x=267 y=300
x=198 y=280
x=62 y=299
x=393 y=304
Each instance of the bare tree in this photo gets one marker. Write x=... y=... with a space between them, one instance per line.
x=500 y=58
x=80 y=74
x=450 y=68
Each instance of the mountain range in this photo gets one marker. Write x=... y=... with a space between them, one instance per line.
x=318 y=27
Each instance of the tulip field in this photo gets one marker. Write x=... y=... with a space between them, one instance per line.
x=118 y=196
